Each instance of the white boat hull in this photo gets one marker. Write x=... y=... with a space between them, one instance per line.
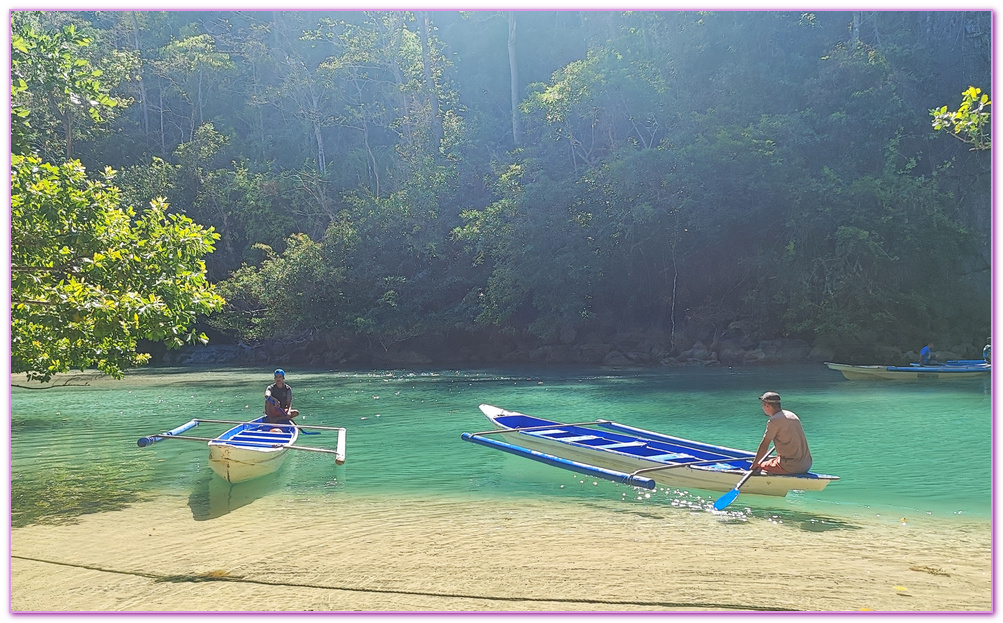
x=870 y=373
x=698 y=477
x=235 y=464
x=238 y=462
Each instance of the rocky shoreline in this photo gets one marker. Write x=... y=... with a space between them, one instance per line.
x=640 y=349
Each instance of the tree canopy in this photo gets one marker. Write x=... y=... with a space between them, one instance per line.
x=89 y=276
x=397 y=175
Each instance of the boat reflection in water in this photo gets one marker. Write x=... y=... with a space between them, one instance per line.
x=214 y=497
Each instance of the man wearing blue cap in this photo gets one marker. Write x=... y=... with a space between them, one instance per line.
x=279 y=399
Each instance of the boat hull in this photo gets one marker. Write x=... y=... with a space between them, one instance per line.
x=710 y=478
x=234 y=458
x=238 y=464
x=911 y=373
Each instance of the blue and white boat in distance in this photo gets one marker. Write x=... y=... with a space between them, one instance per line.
x=634 y=456
x=955 y=370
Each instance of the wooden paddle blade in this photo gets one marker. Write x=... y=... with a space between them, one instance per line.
x=722 y=502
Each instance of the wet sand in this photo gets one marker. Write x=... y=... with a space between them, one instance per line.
x=394 y=555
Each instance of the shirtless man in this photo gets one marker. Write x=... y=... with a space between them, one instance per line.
x=784 y=430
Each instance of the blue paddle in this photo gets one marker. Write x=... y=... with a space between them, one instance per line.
x=283 y=412
x=722 y=502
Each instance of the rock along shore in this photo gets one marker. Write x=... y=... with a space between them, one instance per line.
x=627 y=349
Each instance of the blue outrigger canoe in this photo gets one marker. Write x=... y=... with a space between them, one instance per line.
x=633 y=456
x=250 y=449
x=948 y=371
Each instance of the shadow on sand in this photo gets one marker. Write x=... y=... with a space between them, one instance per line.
x=807 y=521
x=214 y=497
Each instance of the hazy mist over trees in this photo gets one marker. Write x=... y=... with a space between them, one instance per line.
x=557 y=175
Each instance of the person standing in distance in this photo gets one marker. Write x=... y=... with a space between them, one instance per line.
x=785 y=432
x=926 y=356
x=279 y=398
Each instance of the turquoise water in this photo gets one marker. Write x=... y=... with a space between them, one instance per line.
x=899 y=449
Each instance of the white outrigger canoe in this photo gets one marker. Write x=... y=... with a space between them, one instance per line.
x=634 y=456
x=949 y=371
x=250 y=449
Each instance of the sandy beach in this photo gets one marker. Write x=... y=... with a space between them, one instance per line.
x=404 y=555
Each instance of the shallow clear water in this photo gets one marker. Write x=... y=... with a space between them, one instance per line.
x=899 y=449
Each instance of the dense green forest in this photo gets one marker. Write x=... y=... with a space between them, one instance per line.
x=444 y=181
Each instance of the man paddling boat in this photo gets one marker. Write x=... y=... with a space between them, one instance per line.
x=785 y=432
x=279 y=399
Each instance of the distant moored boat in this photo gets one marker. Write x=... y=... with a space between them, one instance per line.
x=948 y=371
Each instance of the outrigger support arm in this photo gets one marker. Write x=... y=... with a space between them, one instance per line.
x=707 y=462
x=497 y=431
x=556 y=461
x=339 y=454
x=296 y=424
x=259 y=444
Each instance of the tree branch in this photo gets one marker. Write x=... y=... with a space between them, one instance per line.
x=74 y=381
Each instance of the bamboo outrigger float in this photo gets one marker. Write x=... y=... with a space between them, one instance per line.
x=250 y=449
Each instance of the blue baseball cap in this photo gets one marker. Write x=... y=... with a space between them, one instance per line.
x=280 y=372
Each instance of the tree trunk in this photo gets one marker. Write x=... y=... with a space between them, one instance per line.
x=321 y=158
x=142 y=84
x=201 y=116
x=68 y=130
x=375 y=172
x=433 y=92
x=514 y=77
x=163 y=138
x=315 y=117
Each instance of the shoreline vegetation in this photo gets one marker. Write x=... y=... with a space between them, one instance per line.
x=627 y=348
x=491 y=555
x=636 y=349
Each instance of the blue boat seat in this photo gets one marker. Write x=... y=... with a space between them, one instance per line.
x=544 y=433
x=260 y=436
x=578 y=438
x=622 y=444
x=669 y=457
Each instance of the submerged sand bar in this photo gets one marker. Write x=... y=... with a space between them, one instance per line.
x=393 y=554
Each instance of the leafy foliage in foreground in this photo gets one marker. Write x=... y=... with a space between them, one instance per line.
x=89 y=279
x=89 y=276
x=970 y=123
